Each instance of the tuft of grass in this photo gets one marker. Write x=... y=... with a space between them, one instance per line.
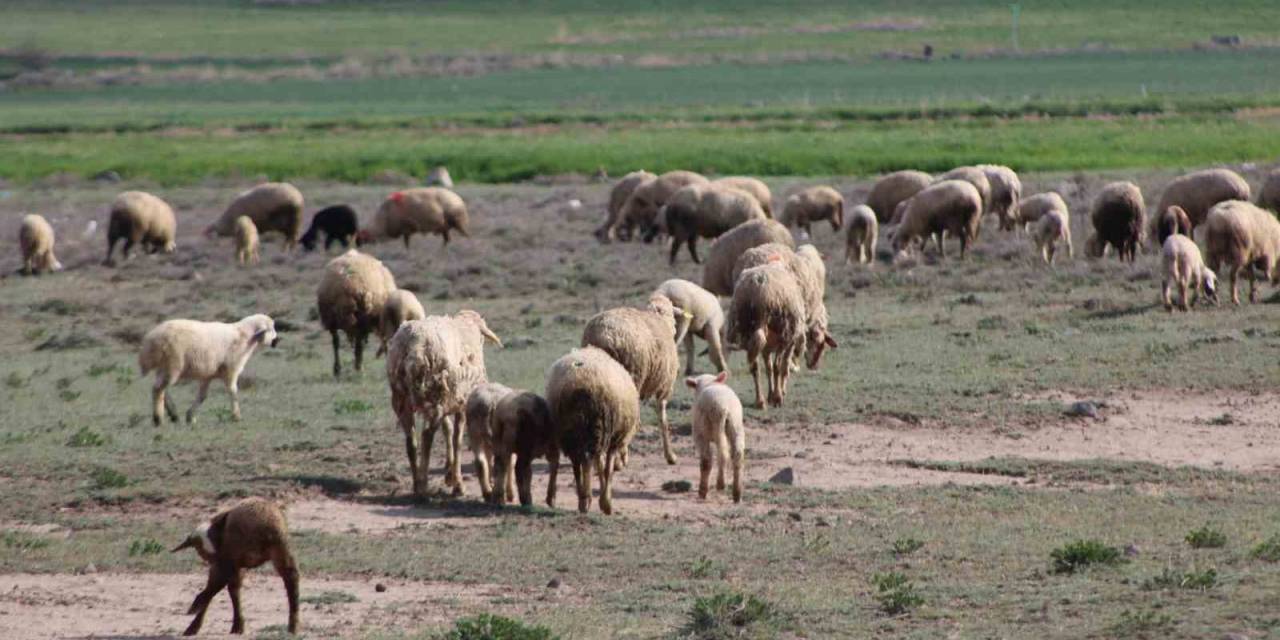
x=1171 y=578
x=731 y=614
x=1268 y=550
x=895 y=593
x=351 y=406
x=108 y=478
x=1138 y=623
x=22 y=541
x=487 y=626
x=330 y=597
x=86 y=437
x=145 y=547
x=1080 y=554
x=705 y=567
x=906 y=546
x=1206 y=537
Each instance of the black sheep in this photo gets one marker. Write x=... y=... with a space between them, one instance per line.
x=339 y=224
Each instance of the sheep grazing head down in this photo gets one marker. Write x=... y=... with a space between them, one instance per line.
x=1209 y=284
x=479 y=322
x=817 y=341
x=203 y=541
x=680 y=318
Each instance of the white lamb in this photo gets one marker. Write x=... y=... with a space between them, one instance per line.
x=717 y=424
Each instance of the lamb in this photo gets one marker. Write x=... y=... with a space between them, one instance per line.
x=707 y=321
x=36 y=239
x=1032 y=208
x=814 y=204
x=894 y=188
x=1006 y=192
x=860 y=238
x=432 y=366
x=439 y=177
x=767 y=318
x=755 y=188
x=1184 y=267
x=481 y=404
x=644 y=342
x=352 y=294
x=421 y=210
x=522 y=427
x=717 y=424
x=339 y=223
x=139 y=217
x=1168 y=222
x=273 y=207
x=707 y=211
x=401 y=307
x=641 y=208
x=246 y=241
x=1244 y=237
x=1198 y=191
x=953 y=206
x=596 y=410
x=810 y=273
x=615 y=225
x=180 y=350
x=245 y=536
x=1052 y=227
x=1118 y=219
x=1269 y=194
x=974 y=176
x=717 y=272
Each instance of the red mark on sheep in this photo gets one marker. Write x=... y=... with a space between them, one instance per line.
x=397 y=196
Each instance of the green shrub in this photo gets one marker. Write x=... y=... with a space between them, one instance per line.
x=1268 y=549
x=22 y=541
x=487 y=626
x=895 y=594
x=730 y=614
x=906 y=546
x=146 y=547
x=1206 y=538
x=86 y=437
x=108 y=478
x=1083 y=553
x=1172 y=578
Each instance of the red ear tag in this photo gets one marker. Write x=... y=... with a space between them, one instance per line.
x=397 y=196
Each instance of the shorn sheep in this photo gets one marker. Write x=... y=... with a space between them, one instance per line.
x=1198 y=191
x=1168 y=222
x=950 y=206
x=1185 y=269
x=246 y=242
x=754 y=187
x=245 y=536
x=432 y=366
x=1269 y=194
x=35 y=239
x=420 y=210
x=718 y=431
x=1051 y=228
x=274 y=207
x=706 y=211
x=1118 y=217
x=892 y=189
x=1032 y=208
x=350 y=299
x=644 y=342
x=138 y=217
x=1006 y=192
x=401 y=307
x=767 y=319
x=180 y=350
x=596 y=410
x=523 y=430
x=860 y=237
x=641 y=208
x=813 y=205
x=481 y=404
x=707 y=321
x=1243 y=237
x=717 y=272
x=338 y=223
x=615 y=226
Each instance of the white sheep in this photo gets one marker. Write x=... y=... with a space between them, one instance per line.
x=1051 y=228
x=1245 y=238
x=36 y=239
x=641 y=208
x=707 y=321
x=810 y=273
x=481 y=404
x=421 y=210
x=615 y=225
x=350 y=298
x=718 y=428
x=1006 y=192
x=706 y=211
x=718 y=270
x=246 y=241
x=948 y=206
x=755 y=188
x=892 y=189
x=860 y=238
x=439 y=177
x=1269 y=193
x=974 y=176
x=1184 y=267
x=273 y=207
x=138 y=217
x=767 y=319
x=1031 y=208
x=1198 y=191
x=812 y=205
x=401 y=307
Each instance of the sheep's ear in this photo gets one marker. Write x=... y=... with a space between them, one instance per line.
x=691 y=383
x=724 y=375
x=830 y=341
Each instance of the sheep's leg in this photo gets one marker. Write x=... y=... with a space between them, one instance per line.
x=127 y=251
x=357 y=343
x=158 y=399
x=201 y=393
x=704 y=466
x=337 y=363
x=288 y=571
x=675 y=249
x=111 y=248
x=553 y=468
x=424 y=451
x=754 y=345
x=688 y=345
x=233 y=590
x=666 y=431
x=511 y=481
x=482 y=474
x=233 y=388
x=1166 y=295
x=169 y=408
x=524 y=478
x=405 y=417
x=582 y=480
x=693 y=249
x=771 y=365
x=715 y=346
x=738 y=456
x=1234 y=272
x=722 y=452
x=453 y=452
x=218 y=576
x=406 y=241
x=501 y=462
x=1253 y=285
x=1182 y=296
x=606 y=483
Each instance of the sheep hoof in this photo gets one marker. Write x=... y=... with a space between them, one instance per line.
x=672 y=459
x=191 y=420
x=457 y=491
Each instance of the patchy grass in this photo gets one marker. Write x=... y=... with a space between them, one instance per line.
x=895 y=594
x=1206 y=537
x=487 y=626
x=1099 y=471
x=1082 y=554
x=728 y=615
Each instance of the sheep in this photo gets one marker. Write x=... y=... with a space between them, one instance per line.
x=1244 y=237
x=432 y=366
x=1031 y=208
x=245 y=536
x=439 y=177
x=595 y=408
x=644 y=342
x=1168 y=222
x=953 y=206
x=755 y=188
x=717 y=424
x=180 y=350
x=767 y=318
x=860 y=237
x=139 y=217
x=1006 y=192
x=1198 y=191
x=273 y=207
x=1269 y=194
x=1052 y=227
x=974 y=176
x=36 y=239
x=522 y=427
x=717 y=272
x=814 y=204
x=615 y=225
x=339 y=223
x=894 y=188
x=480 y=407
x=810 y=273
x=641 y=208
x=421 y=210
x=707 y=211
x=1118 y=219
x=707 y=321
x=246 y=241
x=1184 y=267
x=351 y=296
x=401 y=307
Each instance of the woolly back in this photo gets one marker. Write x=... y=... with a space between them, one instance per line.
x=436 y=363
x=722 y=256
x=766 y=297
x=267 y=205
x=352 y=291
x=642 y=341
x=893 y=188
x=624 y=187
x=1197 y=192
x=974 y=176
x=594 y=403
x=758 y=191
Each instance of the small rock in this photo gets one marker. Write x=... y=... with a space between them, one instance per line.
x=107 y=176
x=786 y=476
x=795 y=515
x=554 y=583
x=1131 y=551
x=821 y=522
x=380 y=588
x=575 y=204
x=90 y=568
x=1082 y=409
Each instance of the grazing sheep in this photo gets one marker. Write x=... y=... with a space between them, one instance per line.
x=1198 y=191
x=1118 y=218
x=806 y=266
x=615 y=225
x=718 y=272
x=439 y=177
x=139 y=217
x=1244 y=237
x=339 y=223
x=706 y=211
x=814 y=204
x=273 y=207
x=949 y=206
x=707 y=321
x=1052 y=227
x=401 y=307
x=432 y=366
x=596 y=410
x=754 y=187
x=974 y=176
x=717 y=424
x=1032 y=208
x=246 y=241
x=767 y=318
x=641 y=208
x=481 y=404
x=1269 y=194
x=1184 y=267
x=245 y=536
x=351 y=296
x=644 y=342
x=1168 y=222
x=894 y=188
x=522 y=427
x=36 y=238
x=1006 y=192
x=422 y=210
x=860 y=238
x=180 y=350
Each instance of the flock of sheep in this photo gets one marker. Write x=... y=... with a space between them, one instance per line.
x=589 y=409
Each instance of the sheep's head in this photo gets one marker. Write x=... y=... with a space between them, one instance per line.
x=817 y=341
x=1209 y=284
x=678 y=317
x=477 y=320
x=458 y=221
x=698 y=383
x=205 y=540
x=837 y=217
x=262 y=329
x=1093 y=247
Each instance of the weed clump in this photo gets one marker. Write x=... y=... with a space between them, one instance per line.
x=487 y=626
x=895 y=594
x=731 y=614
x=1080 y=554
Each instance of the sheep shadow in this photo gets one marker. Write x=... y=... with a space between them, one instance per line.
x=1114 y=313
x=331 y=486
